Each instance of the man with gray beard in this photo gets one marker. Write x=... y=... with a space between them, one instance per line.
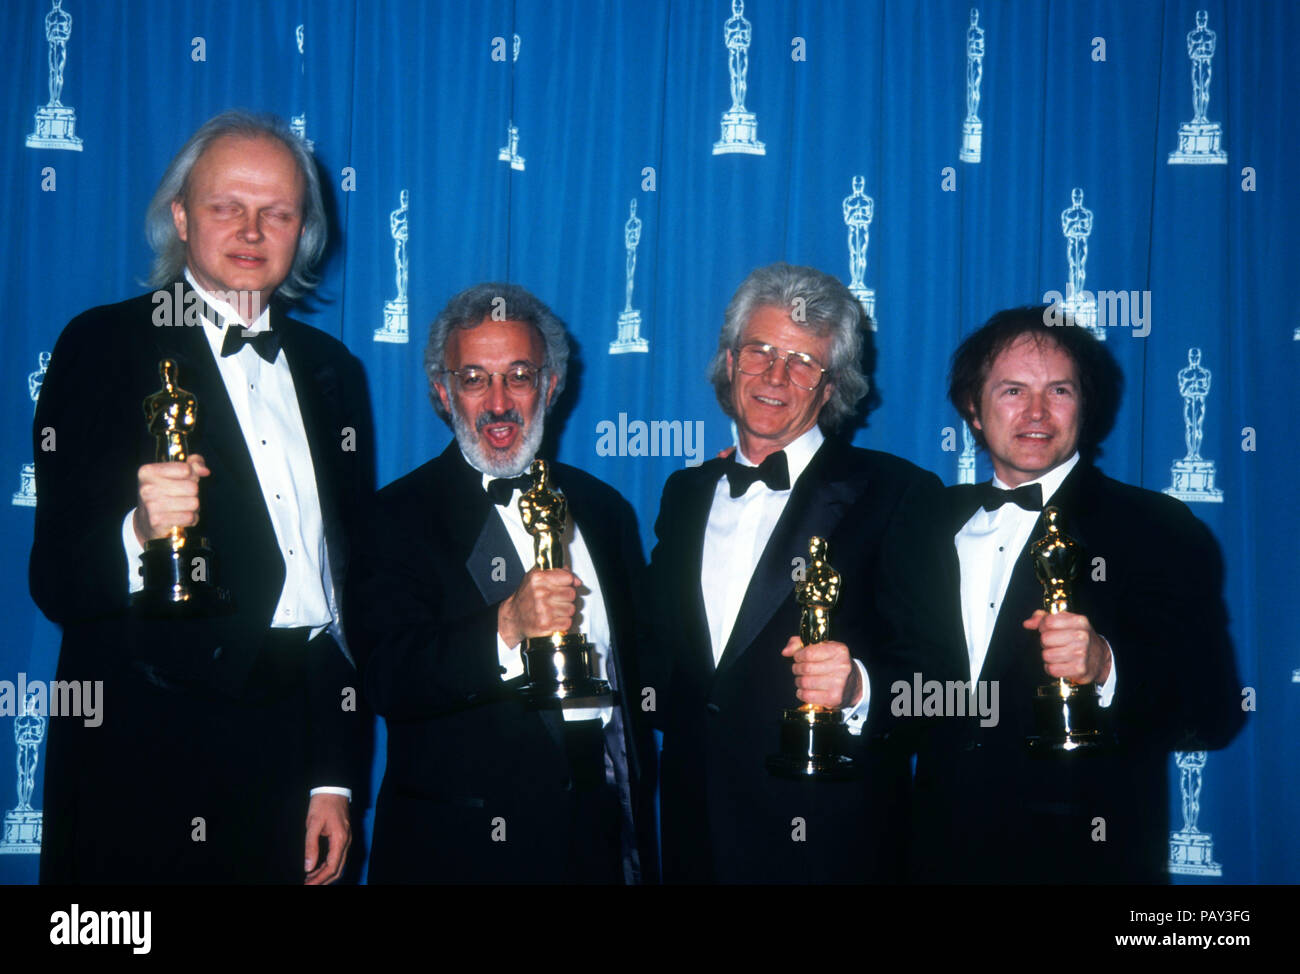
x=481 y=787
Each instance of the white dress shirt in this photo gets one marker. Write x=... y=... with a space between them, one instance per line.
x=590 y=619
x=735 y=537
x=266 y=406
x=988 y=546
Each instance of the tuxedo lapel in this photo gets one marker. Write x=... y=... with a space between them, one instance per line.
x=463 y=509
x=316 y=384
x=218 y=437
x=493 y=542
x=964 y=501
x=233 y=511
x=1009 y=639
x=688 y=525
x=816 y=505
x=960 y=503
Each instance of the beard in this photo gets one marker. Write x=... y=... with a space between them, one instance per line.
x=498 y=463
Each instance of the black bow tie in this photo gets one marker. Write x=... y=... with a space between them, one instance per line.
x=774 y=472
x=1028 y=496
x=503 y=488
x=266 y=343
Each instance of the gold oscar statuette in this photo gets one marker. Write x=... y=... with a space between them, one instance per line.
x=177 y=569
x=812 y=736
x=557 y=666
x=1066 y=715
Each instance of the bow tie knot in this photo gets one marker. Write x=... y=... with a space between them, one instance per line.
x=1027 y=496
x=774 y=472
x=265 y=342
x=503 y=488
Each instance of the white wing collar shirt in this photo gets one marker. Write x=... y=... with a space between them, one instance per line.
x=737 y=533
x=987 y=548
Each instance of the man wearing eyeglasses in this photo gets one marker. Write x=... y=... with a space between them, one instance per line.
x=733 y=536
x=481 y=787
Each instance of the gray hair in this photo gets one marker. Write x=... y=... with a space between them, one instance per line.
x=826 y=307
x=169 y=249
x=500 y=302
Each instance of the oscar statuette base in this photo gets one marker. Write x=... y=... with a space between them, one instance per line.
x=557 y=670
x=396 y=324
x=1199 y=145
x=809 y=739
x=739 y=134
x=55 y=129
x=176 y=580
x=972 y=139
x=1191 y=853
x=22 y=832
x=629 y=335
x=1067 y=717
x=1193 y=481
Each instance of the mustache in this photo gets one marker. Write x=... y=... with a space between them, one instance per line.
x=488 y=418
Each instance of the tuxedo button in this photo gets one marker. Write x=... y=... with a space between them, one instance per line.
x=713 y=708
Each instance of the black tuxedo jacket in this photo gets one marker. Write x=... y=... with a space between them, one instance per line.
x=1150 y=581
x=478 y=786
x=725 y=818
x=201 y=720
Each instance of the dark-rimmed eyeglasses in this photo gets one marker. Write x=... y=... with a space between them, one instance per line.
x=755 y=358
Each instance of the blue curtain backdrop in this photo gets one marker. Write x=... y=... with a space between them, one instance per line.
x=621 y=102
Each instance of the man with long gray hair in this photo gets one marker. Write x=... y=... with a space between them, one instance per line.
x=479 y=786
x=733 y=536
x=228 y=748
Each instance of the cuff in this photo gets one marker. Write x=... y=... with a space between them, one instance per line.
x=333 y=790
x=855 y=718
x=511 y=660
x=131 y=545
x=588 y=713
x=1107 y=689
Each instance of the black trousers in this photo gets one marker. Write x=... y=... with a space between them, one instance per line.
x=178 y=785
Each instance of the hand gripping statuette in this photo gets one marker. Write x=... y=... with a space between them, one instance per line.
x=176 y=569
x=1066 y=715
x=557 y=667
x=811 y=735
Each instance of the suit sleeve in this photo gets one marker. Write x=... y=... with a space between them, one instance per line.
x=1178 y=686
x=426 y=646
x=359 y=472
x=911 y=591
x=637 y=603
x=658 y=640
x=86 y=440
